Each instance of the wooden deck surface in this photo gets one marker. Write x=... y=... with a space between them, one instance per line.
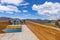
x=40 y=32
x=4 y=25
x=13 y=26
x=26 y=34
x=44 y=32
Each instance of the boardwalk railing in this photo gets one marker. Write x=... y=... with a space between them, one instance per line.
x=44 y=32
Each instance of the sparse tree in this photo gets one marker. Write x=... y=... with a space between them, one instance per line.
x=57 y=24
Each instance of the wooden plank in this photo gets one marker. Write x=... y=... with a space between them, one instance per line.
x=26 y=34
x=14 y=26
x=44 y=32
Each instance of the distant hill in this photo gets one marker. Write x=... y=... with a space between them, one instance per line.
x=45 y=22
x=5 y=19
x=39 y=20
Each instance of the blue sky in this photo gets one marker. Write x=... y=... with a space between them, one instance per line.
x=30 y=9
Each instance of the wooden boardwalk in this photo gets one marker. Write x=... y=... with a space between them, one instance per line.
x=4 y=25
x=13 y=26
x=26 y=34
x=44 y=32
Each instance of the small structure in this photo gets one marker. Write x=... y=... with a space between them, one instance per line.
x=15 y=22
x=14 y=26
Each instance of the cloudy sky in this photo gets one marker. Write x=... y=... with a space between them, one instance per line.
x=30 y=9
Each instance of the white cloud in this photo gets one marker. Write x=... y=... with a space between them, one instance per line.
x=27 y=15
x=48 y=9
x=9 y=9
x=14 y=2
x=25 y=10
